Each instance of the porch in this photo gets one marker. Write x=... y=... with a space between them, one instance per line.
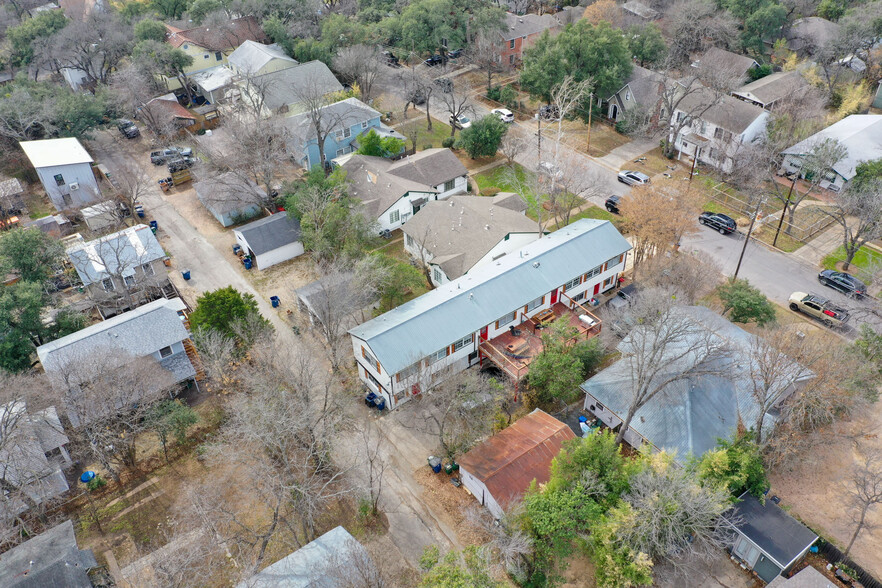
x=514 y=350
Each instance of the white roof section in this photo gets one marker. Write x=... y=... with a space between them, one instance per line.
x=861 y=134
x=424 y=325
x=250 y=57
x=213 y=78
x=115 y=254
x=50 y=152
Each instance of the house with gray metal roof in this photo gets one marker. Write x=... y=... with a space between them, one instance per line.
x=690 y=413
x=284 y=90
x=50 y=559
x=271 y=240
x=768 y=90
x=394 y=191
x=455 y=326
x=720 y=60
x=253 y=59
x=462 y=233
x=230 y=198
x=860 y=134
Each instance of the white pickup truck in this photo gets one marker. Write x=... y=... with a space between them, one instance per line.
x=818 y=307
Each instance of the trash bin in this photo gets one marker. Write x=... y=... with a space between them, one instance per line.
x=139 y=210
x=275 y=301
x=186 y=274
x=435 y=464
x=154 y=226
x=451 y=467
x=247 y=262
x=381 y=403
x=236 y=249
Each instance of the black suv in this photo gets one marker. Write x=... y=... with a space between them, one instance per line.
x=612 y=204
x=128 y=129
x=845 y=283
x=434 y=60
x=180 y=164
x=719 y=222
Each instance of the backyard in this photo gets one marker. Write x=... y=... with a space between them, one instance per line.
x=424 y=138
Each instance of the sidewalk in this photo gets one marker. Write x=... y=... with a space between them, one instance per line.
x=813 y=252
x=627 y=153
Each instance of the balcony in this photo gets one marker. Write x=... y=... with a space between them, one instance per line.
x=514 y=350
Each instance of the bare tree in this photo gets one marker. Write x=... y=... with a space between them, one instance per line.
x=375 y=463
x=419 y=86
x=24 y=116
x=362 y=65
x=696 y=25
x=130 y=185
x=484 y=54
x=513 y=144
x=693 y=276
x=351 y=567
x=456 y=98
x=865 y=492
x=320 y=118
x=859 y=213
x=684 y=101
x=94 y=47
x=509 y=544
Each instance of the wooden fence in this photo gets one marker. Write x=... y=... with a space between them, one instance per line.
x=832 y=554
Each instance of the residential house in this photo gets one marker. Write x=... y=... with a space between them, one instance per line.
x=54 y=225
x=65 y=170
x=230 y=198
x=330 y=561
x=394 y=191
x=104 y=215
x=166 y=115
x=491 y=313
x=462 y=233
x=157 y=330
x=768 y=90
x=520 y=32
x=860 y=134
x=254 y=59
x=718 y=61
x=341 y=122
x=715 y=134
x=639 y=13
x=643 y=92
x=122 y=270
x=807 y=577
x=49 y=559
x=289 y=90
x=271 y=240
x=32 y=457
x=768 y=540
x=691 y=413
x=499 y=471
x=807 y=36
x=209 y=46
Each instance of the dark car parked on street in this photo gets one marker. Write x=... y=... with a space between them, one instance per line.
x=434 y=60
x=454 y=54
x=718 y=222
x=612 y=203
x=845 y=283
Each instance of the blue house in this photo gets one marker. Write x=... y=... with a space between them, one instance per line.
x=347 y=120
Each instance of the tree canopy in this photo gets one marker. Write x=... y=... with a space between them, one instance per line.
x=377 y=146
x=736 y=466
x=482 y=139
x=746 y=303
x=221 y=310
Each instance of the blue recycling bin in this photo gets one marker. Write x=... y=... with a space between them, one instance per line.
x=435 y=464
x=139 y=210
x=248 y=263
x=236 y=249
x=275 y=301
x=185 y=274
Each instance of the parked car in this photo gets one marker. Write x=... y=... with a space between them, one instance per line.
x=434 y=60
x=460 y=122
x=180 y=163
x=845 y=283
x=624 y=297
x=819 y=308
x=166 y=155
x=612 y=204
x=390 y=59
x=456 y=53
x=718 y=222
x=504 y=114
x=417 y=96
x=549 y=112
x=128 y=128
x=445 y=84
x=633 y=178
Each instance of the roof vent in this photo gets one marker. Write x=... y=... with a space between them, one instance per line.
x=535 y=264
x=471 y=295
x=520 y=20
x=486 y=227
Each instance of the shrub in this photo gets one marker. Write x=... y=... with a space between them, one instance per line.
x=448 y=142
x=96 y=483
x=427 y=146
x=482 y=139
x=490 y=191
x=493 y=93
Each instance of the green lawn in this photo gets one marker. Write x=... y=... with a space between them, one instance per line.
x=865 y=258
x=599 y=213
x=500 y=177
x=425 y=137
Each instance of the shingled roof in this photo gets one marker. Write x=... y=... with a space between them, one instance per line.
x=220 y=38
x=509 y=461
x=52 y=558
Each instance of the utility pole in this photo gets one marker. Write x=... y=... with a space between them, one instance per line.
x=590 y=110
x=694 y=160
x=539 y=134
x=783 y=212
x=747 y=238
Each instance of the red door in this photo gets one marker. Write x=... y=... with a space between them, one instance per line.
x=597 y=288
x=554 y=298
x=484 y=333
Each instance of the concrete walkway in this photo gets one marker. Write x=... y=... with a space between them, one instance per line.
x=821 y=246
x=627 y=153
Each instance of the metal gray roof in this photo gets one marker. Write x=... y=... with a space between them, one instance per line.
x=456 y=309
x=51 y=559
x=228 y=193
x=527 y=24
x=688 y=415
x=116 y=254
x=250 y=57
x=727 y=112
x=339 y=115
x=431 y=167
x=270 y=233
x=773 y=530
x=773 y=87
x=290 y=85
x=860 y=134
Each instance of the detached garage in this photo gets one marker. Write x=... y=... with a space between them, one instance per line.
x=270 y=240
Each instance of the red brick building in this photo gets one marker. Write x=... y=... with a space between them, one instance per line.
x=521 y=32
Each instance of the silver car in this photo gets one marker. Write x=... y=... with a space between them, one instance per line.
x=504 y=114
x=633 y=178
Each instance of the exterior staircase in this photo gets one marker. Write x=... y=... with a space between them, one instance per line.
x=193 y=355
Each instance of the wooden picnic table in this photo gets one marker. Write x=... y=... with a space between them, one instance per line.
x=544 y=316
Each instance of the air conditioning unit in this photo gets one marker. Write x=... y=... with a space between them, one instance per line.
x=75 y=186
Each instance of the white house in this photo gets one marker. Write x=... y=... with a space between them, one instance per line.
x=499 y=471
x=716 y=133
x=65 y=169
x=456 y=235
x=767 y=91
x=393 y=191
x=271 y=240
x=860 y=134
x=475 y=317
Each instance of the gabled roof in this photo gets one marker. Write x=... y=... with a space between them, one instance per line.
x=777 y=533
x=727 y=112
x=49 y=152
x=115 y=254
x=339 y=115
x=861 y=134
x=688 y=415
x=509 y=461
x=526 y=25
x=228 y=193
x=460 y=231
x=431 y=167
x=811 y=33
x=138 y=333
x=461 y=307
x=723 y=60
x=646 y=86
x=52 y=558
x=290 y=85
x=808 y=577
x=168 y=110
x=230 y=35
x=640 y=9
x=250 y=57
x=773 y=87
x=270 y=233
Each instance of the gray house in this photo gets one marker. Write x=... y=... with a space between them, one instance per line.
x=284 y=91
x=65 y=170
x=643 y=91
x=230 y=198
x=51 y=559
x=271 y=240
x=768 y=90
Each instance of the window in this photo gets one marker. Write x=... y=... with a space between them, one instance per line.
x=339 y=134
x=438 y=355
x=147 y=269
x=408 y=240
x=572 y=283
x=703 y=127
x=713 y=153
x=218 y=55
x=185 y=47
x=59 y=180
x=344 y=133
x=609 y=281
x=129 y=280
x=596 y=271
x=449 y=185
x=719 y=133
x=628 y=95
x=536 y=303
x=612 y=261
x=404 y=217
x=407 y=372
x=680 y=116
x=462 y=343
x=393 y=216
x=436 y=275
x=371 y=359
x=511 y=44
x=364 y=125
x=340 y=152
x=205 y=56
x=68 y=201
x=511 y=59
x=579 y=296
x=108 y=285
x=165 y=352
x=505 y=319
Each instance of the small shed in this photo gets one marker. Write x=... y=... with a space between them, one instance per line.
x=271 y=240
x=229 y=198
x=103 y=215
x=500 y=470
x=768 y=540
